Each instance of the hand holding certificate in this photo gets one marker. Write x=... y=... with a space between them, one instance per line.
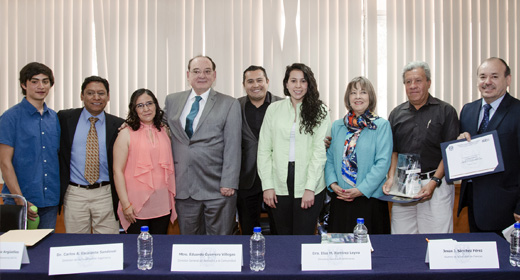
x=480 y=156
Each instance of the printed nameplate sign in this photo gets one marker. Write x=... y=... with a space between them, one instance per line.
x=86 y=258
x=347 y=256
x=443 y=254
x=207 y=257
x=12 y=255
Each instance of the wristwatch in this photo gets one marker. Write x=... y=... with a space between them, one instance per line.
x=437 y=180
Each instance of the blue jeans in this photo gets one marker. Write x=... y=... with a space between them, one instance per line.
x=48 y=216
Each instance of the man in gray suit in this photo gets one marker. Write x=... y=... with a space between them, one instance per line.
x=206 y=134
x=254 y=105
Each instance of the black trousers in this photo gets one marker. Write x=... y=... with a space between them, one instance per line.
x=156 y=225
x=249 y=205
x=289 y=217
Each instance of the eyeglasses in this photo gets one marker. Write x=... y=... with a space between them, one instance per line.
x=148 y=104
x=206 y=72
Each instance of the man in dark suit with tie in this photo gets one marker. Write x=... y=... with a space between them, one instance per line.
x=87 y=186
x=253 y=105
x=206 y=134
x=493 y=200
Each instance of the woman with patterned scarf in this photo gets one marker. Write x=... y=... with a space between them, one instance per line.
x=357 y=162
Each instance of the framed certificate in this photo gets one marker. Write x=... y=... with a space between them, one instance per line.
x=480 y=156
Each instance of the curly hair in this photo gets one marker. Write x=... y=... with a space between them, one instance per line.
x=313 y=112
x=133 y=119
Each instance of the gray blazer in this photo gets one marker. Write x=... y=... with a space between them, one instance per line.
x=249 y=147
x=211 y=158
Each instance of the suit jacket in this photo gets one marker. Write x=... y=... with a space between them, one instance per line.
x=248 y=173
x=495 y=196
x=68 y=122
x=211 y=158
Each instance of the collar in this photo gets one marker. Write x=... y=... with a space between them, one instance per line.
x=494 y=104
x=204 y=96
x=85 y=115
x=267 y=100
x=29 y=108
x=430 y=101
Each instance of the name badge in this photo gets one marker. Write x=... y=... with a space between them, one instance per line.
x=445 y=254
x=87 y=258
x=348 y=256
x=207 y=257
x=12 y=255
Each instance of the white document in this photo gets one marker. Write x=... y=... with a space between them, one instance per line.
x=86 y=258
x=12 y=255
x=472 y=158
x=446 y=254
x=347 y=256
x=207 y=257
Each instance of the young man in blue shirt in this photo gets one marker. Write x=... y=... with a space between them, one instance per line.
x=29 y=144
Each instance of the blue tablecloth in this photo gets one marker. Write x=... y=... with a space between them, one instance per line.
x=394 y=257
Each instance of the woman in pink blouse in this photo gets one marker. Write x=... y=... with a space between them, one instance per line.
x=143 y=168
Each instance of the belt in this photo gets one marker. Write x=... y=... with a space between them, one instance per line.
x=427 y=175
x=89 y=187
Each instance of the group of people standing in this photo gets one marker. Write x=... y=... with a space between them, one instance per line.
x=207 y=155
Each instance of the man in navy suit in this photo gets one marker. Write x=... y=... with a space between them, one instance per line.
x=493 y=200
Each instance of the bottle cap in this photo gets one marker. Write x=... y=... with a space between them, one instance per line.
x=257 y=229
x=34 y=208
x=144 y=229
x=360 y=220
x=517 y=225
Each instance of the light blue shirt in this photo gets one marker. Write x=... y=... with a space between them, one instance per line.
x=79 y=149
x=494 y=107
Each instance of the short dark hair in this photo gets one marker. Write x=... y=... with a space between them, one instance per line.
x=508 y=70
x=32 y=69
x=133 y=119
x=253 y=68
x=213 y=65
x=97 y=79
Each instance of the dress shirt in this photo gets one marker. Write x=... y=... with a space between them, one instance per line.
x=255 y=116
x=35 y=138
x=187 y=108
x=421 y=131
x=494 y=107
x=79 y=149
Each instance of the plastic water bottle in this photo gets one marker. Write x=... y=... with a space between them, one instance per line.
x=514 y=256
x=257 y=250
x=145 y=249
x=360 y=231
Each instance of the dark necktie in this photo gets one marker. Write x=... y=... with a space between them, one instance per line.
x=485 y=119
x=92 y=157
x=191 y=116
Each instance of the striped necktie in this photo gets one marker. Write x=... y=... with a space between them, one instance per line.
x=92 y=156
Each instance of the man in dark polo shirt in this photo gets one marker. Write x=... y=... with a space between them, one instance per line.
x=419 y=126
x=254 y=105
